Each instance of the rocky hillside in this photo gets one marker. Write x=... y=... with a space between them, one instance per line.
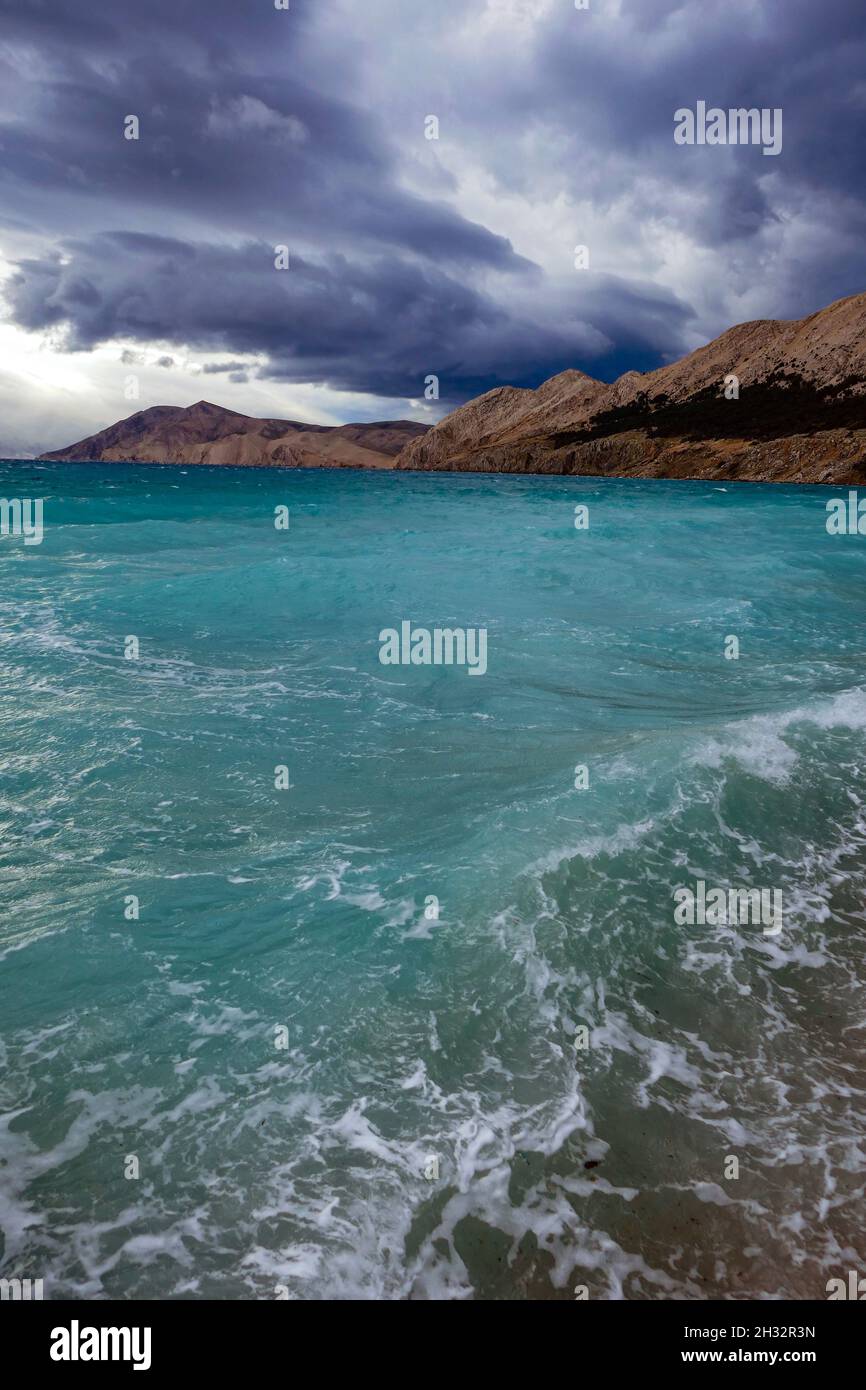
x=799 y=415
x=205 y=433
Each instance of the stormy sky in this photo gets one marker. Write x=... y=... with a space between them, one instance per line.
x=307 y=127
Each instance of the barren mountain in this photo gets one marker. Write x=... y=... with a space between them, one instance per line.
x=797 y=413
x=767 y=401
x=205 y=433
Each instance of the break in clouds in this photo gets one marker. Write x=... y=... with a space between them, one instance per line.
x=456 y=256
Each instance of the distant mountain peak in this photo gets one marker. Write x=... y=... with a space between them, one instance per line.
x=212 y=434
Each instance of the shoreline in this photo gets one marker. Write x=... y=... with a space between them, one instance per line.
x=718 y=480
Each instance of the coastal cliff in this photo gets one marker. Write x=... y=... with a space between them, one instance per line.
x=768 y=401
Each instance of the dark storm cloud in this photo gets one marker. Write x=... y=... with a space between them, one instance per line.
x=807 y=58
x=256 y=130
x=223 y=138
x=606 y=94
x=379 y=326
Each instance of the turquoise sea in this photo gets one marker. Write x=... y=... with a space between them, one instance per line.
x=283 y=1040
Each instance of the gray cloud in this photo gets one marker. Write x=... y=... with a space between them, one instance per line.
x=379 y=326
x=223 y=368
